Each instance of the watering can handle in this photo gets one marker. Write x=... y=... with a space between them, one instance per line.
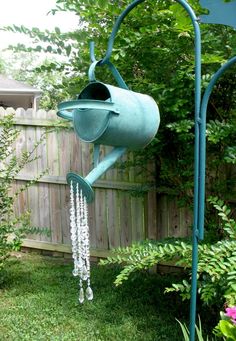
x=84 y=104
x=91 y=73
x=67 y=115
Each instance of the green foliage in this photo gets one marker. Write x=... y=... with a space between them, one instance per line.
x=228 y=330
x=216 y=268
x=227 y=223
x=12 y=228
x=216 y=265
x=199 y=331
x=230 y=155
x=2 y=65
x=226 y=327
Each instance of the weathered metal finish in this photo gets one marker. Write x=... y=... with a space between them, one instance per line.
x=220 y=12
x=109 y=115
x=131 y=119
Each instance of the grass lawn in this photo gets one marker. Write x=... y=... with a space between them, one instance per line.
x=38 y=301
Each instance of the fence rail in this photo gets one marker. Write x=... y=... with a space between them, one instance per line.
x=117 y=218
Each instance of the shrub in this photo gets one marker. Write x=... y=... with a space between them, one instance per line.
x=216 y=266
x=226 y=328
x=199 y=332
x=12 y=228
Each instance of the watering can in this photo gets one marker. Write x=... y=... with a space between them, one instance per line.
x=113 y=116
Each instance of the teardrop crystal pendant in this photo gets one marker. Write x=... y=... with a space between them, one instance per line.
x=89 y=294
x=81 y=295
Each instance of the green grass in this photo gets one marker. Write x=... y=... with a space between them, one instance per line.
x=38 y=301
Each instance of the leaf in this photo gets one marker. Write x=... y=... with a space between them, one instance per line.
x=185 y=331
x=57 y=30
x=49 y=48
x=228 y=330
x=68 y=50
x=208 y=58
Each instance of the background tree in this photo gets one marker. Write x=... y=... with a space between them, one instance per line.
x=32 y=68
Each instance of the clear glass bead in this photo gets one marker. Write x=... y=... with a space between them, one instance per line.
x=81 y=295
x=75 y=272
x=84 y=274
x=89 y=294
x=80 y=265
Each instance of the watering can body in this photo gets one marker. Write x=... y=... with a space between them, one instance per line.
x=113 y=116
x=109 y=115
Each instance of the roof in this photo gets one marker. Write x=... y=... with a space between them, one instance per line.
x=8 y=85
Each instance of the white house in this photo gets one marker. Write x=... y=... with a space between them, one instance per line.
x=16 y=94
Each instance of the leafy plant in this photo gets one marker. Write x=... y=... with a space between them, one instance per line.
x=216 y=266
x=227 y=223
x=227 y=325
x=199 y=331
x=12 y=228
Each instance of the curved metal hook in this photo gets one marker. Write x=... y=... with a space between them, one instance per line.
x=92 y=51
x=116 y=28
x=92 y=78
x=204 y=104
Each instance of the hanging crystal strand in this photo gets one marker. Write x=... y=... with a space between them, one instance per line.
x=88 y=292
x=73 y=230
x=79 y=242
x=83 y=238
x=78 y=223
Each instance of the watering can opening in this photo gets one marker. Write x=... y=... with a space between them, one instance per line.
x=96 y=91
x=91 y=123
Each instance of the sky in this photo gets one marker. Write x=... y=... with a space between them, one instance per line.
x=31 y=13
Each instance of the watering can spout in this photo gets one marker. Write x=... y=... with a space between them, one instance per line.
x=99 y=170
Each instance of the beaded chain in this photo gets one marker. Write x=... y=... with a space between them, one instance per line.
x=80 y=241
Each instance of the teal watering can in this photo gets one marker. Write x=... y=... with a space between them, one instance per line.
x=113 y=116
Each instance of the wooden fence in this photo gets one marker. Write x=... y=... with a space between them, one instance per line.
x=117 y=218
